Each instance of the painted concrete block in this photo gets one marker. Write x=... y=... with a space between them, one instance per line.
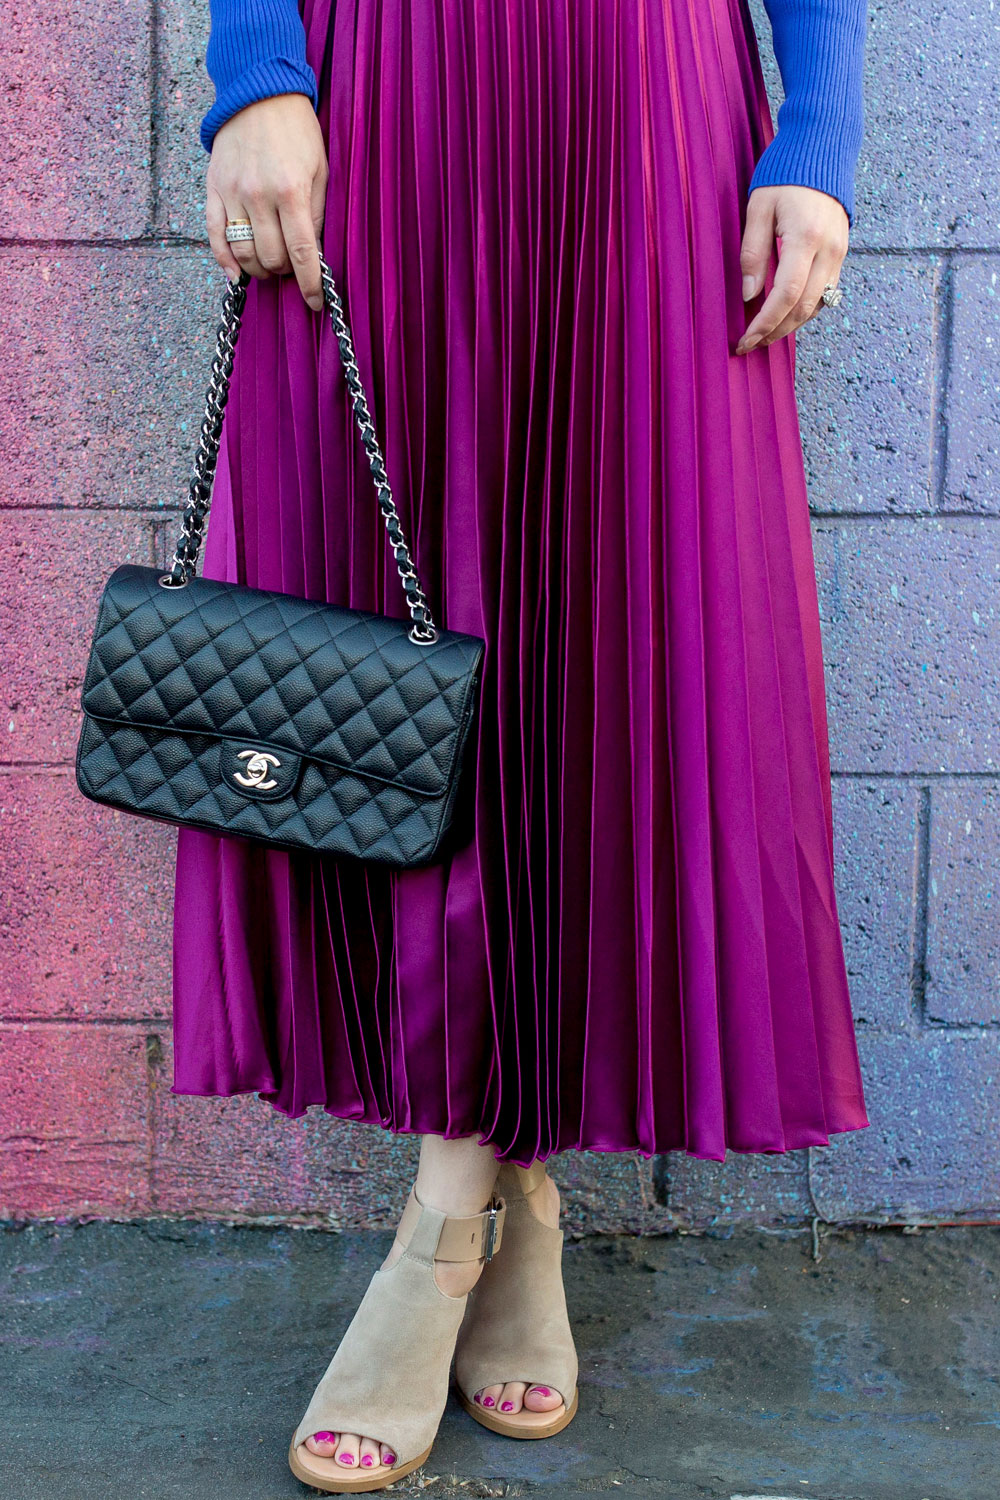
x=911 y=631
x=87 y=891
x=105 y=357
x=610 y=1192
x=754 y=1189
x=972 y=470
x=240 y=1157
x=929 y=170
x=930 y=167
x=184 y=92
x=930 y=1151
x=356 y=1176
x=74 y=119
x=73 y=1128
x=867 y=421
x=876 y=836
x=769 y=66
x=56 y=564
x=224 y=1158
x=963 y=915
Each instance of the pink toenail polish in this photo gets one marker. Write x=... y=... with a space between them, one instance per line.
x=367 y=1460
x=542 y=1390
x=390 y=1458
x=507 y=1406
x=346 y=1458
x=323 y=1437
x=488 y=1401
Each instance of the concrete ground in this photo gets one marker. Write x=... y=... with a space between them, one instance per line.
x=173 y=1360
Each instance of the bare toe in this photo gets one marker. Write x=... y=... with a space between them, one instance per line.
x=388 y=1457
x=512 y=1397
x=369 y=1453
x=348 y=1449
x=542 y=1398
x=323 y=1444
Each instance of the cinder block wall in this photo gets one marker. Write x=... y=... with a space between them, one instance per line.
x=109 y=300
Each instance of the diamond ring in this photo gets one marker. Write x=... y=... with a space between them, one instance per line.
x=238 y=229
x=833 y=295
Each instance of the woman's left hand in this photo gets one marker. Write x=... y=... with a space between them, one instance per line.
x=813 y=229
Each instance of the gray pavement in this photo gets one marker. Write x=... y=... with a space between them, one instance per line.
x=173 y=1359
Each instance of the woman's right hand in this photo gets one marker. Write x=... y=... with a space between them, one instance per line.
x=268 y=165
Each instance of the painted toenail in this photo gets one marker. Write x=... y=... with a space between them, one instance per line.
x=323 y=1437
x=477 y=1397
x=488 y=1401
x=390 y=1458
x=346 y=1458
x=367 y=1460
x=542 y=1390
x=507 y=1406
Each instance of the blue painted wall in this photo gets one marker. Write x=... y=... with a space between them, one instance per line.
x=110 y=300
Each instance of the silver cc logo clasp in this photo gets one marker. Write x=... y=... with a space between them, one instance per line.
x=258 y=763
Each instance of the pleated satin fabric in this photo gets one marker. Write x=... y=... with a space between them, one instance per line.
x=535 y=212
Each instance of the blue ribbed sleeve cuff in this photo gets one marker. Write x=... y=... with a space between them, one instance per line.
x=256 y=48
x=819 y=46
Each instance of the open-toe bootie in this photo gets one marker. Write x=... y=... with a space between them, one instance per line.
x=389 y=1377
x=516 y=1327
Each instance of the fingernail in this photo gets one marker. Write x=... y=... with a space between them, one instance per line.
x=323 y=1437
x=316 y=303
x=507 y=1406
x=367 y=1460
x=749 y=287
x=488 y=1401
x=346 y=1458
x=542 y=1390
x=390 y=1458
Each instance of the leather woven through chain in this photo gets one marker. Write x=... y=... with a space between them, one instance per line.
x=185 y=559
x=249 y=712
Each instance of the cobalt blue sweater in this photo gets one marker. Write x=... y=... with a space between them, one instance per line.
x=258 y=48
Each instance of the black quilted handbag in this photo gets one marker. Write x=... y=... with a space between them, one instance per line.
x=258 y=714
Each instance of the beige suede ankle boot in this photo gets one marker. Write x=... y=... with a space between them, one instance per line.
x=389 y=1377
x=516 y=1326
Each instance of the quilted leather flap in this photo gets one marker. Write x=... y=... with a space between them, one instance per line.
x=340 y=686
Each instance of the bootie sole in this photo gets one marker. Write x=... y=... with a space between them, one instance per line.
x=523 y=1424
x=328 y=1475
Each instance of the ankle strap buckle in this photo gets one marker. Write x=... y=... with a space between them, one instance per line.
x=490 y=1230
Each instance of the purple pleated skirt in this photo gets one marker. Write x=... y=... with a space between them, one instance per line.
x=534 y=211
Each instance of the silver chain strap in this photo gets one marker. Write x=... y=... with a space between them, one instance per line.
x=185 y=559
